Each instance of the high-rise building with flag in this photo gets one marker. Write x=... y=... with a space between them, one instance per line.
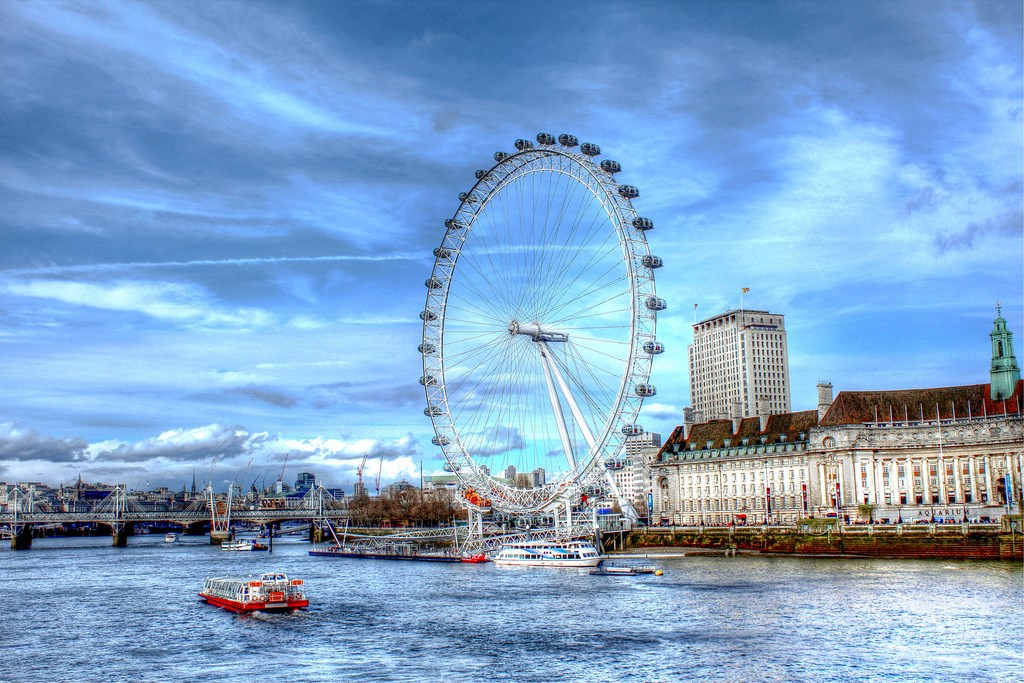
x=739 y=365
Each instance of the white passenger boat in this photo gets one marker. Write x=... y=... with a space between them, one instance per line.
x=549 y=554
x=243 y=546
x=170 y=538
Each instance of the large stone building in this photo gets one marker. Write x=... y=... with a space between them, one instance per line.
x=740 y=471
x=739 y=365
x=951 y=454
x=915 y=455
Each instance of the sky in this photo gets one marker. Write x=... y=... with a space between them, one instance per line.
x=217 y=217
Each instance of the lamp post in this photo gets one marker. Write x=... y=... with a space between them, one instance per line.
x=767 y=496
x=831 y=467
x=721 y=495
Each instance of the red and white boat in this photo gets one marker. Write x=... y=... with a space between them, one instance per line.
x=478 y=558
x=271 y=592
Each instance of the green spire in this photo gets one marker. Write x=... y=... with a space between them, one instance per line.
x=1005 y=372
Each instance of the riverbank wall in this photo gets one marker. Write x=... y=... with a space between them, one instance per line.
x=927 y=541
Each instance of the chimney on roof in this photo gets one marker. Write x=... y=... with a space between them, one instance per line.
x=824 y=398
x=762 y=412
x=688 y=419
x=737 y=416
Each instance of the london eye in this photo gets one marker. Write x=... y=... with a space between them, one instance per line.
x=539 y=327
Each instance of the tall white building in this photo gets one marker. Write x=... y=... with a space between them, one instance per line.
x=632 y=471
x=739 y=365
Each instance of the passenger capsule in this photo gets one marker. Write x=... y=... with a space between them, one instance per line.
x=448 y=467
x=523 y=144
x=428 y=315
x=501 y=156
x=629 y=191
x=645 y=390
x=426 y=349
x=610 y=166
x=440 y=441
x=650 y=261
x=428 y=380
x=468 y=197
x=632 y=430
x=614 y=464
x=545 y=139
x=590 y=149
x=655 y=303
x=452 y=223
x=442 y=252
x=643 y=223
x=434 y=283
x=566 y=140
x=654 y=347
x=433 y=411
x=480 y=173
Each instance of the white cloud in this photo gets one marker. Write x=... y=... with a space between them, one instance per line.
x=169 y=301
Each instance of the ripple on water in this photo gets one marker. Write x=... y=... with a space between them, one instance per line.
x=92 y=611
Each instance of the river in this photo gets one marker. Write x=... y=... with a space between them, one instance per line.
x=81 y=610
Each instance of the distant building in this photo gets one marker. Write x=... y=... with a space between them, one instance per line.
x=739 y=365
x=395 y=488
x=305 y=481
x=539 y=477
x=631 y=472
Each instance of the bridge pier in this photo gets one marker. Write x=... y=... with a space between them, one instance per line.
x=21 y=538
x=218 y=536
x=120 y=535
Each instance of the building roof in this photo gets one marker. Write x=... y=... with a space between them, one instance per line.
x=715 y=432
x=858 y=407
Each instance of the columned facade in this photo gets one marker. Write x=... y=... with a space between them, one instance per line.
x=865 y=461
x=942 y=470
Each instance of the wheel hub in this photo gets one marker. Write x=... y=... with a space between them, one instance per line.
x=536 y=332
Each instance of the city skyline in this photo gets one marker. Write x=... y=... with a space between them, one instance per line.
x=219 y=217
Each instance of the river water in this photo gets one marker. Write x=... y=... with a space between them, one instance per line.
x=81 y=610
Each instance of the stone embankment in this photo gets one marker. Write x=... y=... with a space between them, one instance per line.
x=935 y=541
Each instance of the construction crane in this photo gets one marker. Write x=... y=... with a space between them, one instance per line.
x=379 y=470
x=280 y=476
x=359 y=473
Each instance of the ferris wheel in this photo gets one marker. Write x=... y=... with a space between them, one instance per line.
x=539 y=327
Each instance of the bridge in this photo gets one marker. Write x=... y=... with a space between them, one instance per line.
x=121 y=512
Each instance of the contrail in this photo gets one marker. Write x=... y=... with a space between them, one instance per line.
x=139 y=265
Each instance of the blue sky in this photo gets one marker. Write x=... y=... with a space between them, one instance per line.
x=217 y=217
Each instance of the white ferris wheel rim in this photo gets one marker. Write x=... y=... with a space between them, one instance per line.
x=473 y=343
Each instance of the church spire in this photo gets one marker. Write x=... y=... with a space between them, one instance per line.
x=1004 y=373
